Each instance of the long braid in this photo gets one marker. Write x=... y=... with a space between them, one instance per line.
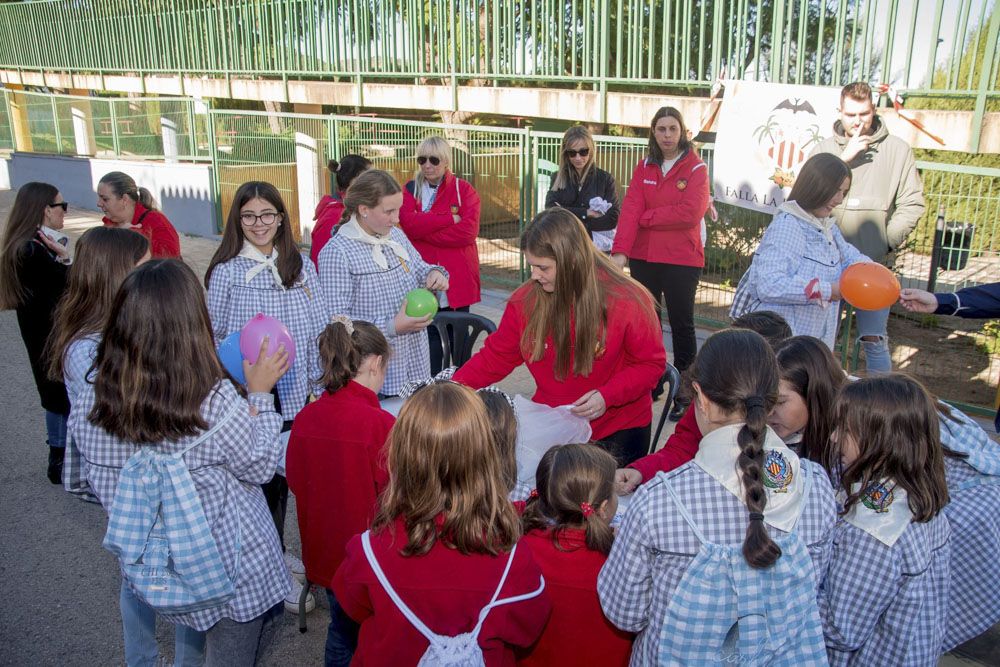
x=759 y=550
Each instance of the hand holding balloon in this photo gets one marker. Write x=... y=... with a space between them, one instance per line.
x=259 y=328
x=869 y=286
x=232 y=358
x=265 y=373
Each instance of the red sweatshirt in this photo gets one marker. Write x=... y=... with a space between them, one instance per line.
x=577 y=632
x=662 y=215
x=336 y=468
x=680 y=448
x=327 y=216
x=163 y=240
x=440 y=240
x=625 y=373
x=446 y=590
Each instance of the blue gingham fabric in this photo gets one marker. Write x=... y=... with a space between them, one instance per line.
x=655 y=546
x=77 y=361
x=232 y=302
x=227 y=471
x=974 y=516
x=791 y=254
x=355 y=286
x=885 y=605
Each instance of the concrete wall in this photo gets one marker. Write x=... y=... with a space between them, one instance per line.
x=183 y=191
x=4 y=174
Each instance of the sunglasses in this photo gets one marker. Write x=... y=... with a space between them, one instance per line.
x=63 y=205
x=433 y=160
x=583 y=152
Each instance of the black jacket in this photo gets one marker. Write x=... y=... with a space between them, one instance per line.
x=576 y=199
x=44 y=280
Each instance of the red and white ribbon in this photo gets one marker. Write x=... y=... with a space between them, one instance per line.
x=897 y=104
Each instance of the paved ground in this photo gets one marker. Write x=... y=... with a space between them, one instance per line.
x=60 y=587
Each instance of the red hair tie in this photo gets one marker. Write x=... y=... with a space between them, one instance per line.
x=533 y=494
x=587 y=509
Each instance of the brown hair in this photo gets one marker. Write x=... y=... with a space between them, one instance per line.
x=289 y=259
x=503 y=428
x=22 y=224
x=156 y=362
x=585 y=280
x=736 y=370
x=348 y=169
x=894 y=422
x=859 y=91
x=818 y=180
x=442 y=461
x=104 y=256
x=808 y=365
x=568 y=477
x=368 y=189
x=654 y=152
x=769 y=324
x=123 y=185
x=341 y=353
x=566 y=176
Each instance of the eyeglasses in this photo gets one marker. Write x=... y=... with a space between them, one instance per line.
x=59 y=204
x=434 y=160
x=583 y=152
x=266 y=219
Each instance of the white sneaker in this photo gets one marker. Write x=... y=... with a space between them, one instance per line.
x=296 y=567
x=292 y=599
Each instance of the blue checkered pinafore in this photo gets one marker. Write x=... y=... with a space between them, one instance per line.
x=726 y=612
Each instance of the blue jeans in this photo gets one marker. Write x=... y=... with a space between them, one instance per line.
x=341 y=636
x=232 y=643
x=139 y=623
x=874 y=324
x=55 y=429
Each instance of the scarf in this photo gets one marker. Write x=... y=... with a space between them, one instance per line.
x=825 y=225
x=263 y=262
x=883 y=512
x=352 y=230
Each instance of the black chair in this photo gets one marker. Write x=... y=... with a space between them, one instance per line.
x=672 y=379
x=459 y=332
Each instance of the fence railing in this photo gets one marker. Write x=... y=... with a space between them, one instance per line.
x=512 y=170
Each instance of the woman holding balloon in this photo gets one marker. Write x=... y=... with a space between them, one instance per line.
x=797 y=270
x=258 y=270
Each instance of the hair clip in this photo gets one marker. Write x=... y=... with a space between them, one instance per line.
x=587 y=510
x=533 y=494
x=493 y=389
x=752 y=402
x=345 y=320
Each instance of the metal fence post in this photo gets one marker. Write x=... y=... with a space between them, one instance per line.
x=55 y=125
x=115 y=142
x=216 y=185
x=986 y=78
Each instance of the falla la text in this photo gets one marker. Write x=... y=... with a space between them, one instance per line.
x=752 y=197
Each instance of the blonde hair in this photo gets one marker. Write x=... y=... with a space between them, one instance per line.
x=566 y=175
x=442 y=459
x=436 y=146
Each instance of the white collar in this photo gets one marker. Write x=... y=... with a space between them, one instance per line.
x=717 y=454
x=263 y=262
x=883 y=512
x=353 y=231
x=824 y=225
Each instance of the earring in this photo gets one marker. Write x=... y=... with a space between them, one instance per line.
x=364 y=215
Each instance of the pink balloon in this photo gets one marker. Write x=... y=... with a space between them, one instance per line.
x=253 y=334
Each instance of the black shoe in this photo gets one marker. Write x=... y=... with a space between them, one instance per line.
x=54 y=471
x=678 y=410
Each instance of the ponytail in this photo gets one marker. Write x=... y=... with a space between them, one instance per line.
x=343 y=345
x=145 y=197
x=759 y=550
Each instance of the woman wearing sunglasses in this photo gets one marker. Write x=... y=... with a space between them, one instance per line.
x=580 y=182
x=440 y=216
x=33 y=269
x=127 y=205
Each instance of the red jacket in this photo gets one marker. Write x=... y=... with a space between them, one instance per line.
x=680 y=448
x=336 y=468
x=625 y=373
x=446 y=590
x=440 y=240
x=163 y=240
x=662 y=215
x=577 y=632
x=327 y=216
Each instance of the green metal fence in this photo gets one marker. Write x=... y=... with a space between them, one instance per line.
x=6 y=126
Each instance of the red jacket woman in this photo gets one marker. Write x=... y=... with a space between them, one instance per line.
x=126 y=205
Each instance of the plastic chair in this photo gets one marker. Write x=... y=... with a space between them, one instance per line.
x=459 y=332
x=672 y=378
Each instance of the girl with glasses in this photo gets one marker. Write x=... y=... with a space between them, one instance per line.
x=580 y=181
x=127 y=205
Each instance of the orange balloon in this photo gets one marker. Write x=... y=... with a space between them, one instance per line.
x=869 y=286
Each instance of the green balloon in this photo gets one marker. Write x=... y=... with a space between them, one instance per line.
x=421 y=302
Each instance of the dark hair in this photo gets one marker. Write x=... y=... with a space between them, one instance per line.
x=22 y=224
x=859 y=91
x=808 y=365
x=818 y=180
x=769 y=324
x=654 y=152
x=289 y=260
x=503 y=428
x=156 y=362
x=123 y=185
x=104 y=256
x=348 y=169
x=368 y=189
x=736 y=370
x=341 y=354
x=568 y=478
x=894 y=422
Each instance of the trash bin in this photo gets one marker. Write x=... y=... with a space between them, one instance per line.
x=955 y=246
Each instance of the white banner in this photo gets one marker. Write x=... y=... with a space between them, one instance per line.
x=766 y=131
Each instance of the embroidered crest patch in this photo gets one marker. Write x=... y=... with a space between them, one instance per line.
x=878 y=498
x=681 y=184
x=777 y=472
